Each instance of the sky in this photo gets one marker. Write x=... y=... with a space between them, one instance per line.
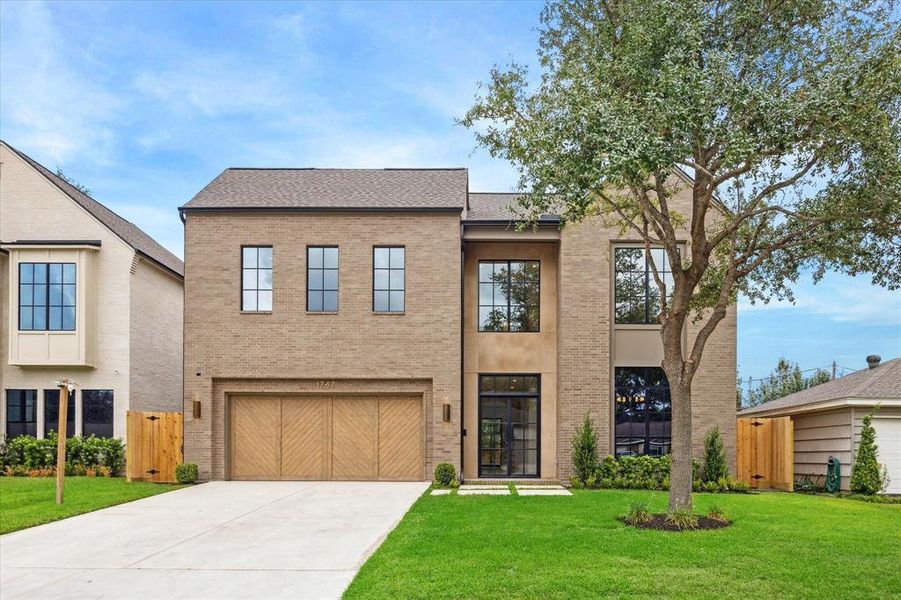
x=145 y=103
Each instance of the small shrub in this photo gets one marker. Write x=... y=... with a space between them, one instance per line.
x=455 y=483
x=739 y=487
x=866 y=475
x=104 y=471
x=681 y=518
x=715 y=465
x=638 y=514
x=444 y=474
x=592 y=481
x=186 y=473
x=716 y=513
x=711 y=486
x=576 y=483
x=585 y=451
x=90 y=472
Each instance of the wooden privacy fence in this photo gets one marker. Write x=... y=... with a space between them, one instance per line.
x=765 y=452
x=153 y=445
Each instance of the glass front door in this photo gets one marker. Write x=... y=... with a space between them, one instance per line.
x=509 y=426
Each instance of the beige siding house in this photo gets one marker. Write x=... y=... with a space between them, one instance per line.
x=371 y=323
x=84 y=294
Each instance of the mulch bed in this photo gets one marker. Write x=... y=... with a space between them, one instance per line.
x=659 y=522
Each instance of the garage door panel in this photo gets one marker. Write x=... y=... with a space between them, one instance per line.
x=888 y=439
x=255 y=437
x=400 y=438
x=304 y=438
x=354 y=438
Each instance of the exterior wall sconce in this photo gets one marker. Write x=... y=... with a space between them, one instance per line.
x=446 y=412
x=196 y=409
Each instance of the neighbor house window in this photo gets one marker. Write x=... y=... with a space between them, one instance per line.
x=51 y=413
x=322 y=278
x=637 y=292
x=509 y=409
x=256 y=278
x=97 y=413
x=643 y=411
x=47 y=296
x=509 y=294
x=388 y=279
x=21 y=413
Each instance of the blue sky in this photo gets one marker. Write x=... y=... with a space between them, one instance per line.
x=146 y=102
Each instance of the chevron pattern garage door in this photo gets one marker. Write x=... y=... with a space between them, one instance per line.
x=320 y=438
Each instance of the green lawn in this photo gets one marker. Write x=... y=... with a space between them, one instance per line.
x=26 y=502
x=781 y=545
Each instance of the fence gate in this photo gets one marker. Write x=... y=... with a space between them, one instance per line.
x=765 y=452
x=153 y=445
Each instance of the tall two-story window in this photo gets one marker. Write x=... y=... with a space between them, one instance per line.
x=322 y=278
x=643 y=411
x=637 y=293
x=97 y=413
x=509 y=295
x=21 y=413
x=256 y=278
x=388 y=286
x=51 y=413
x=47 y=296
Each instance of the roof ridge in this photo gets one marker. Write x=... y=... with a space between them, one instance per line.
x=346 y=168
x=877 y=377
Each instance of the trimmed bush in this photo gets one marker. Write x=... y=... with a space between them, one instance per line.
x=445 y=474
x=186 y=473
x=90 y=452
x=650 y=473
x=585 y=452
x=866 y=475
x=715 y=465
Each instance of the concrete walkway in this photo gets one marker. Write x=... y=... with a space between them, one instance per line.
x=217 y=540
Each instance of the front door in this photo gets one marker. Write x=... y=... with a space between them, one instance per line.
x=509 y=408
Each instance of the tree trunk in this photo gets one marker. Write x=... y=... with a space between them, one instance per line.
x=680 y=479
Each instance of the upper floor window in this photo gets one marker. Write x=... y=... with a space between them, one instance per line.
x=97 y=412
x=637 y=293
x=643 y=413
x=388 y=279
x=256 y=278
x=509 y=295
x=322 y=278
x=21 y=413
x=47 y=296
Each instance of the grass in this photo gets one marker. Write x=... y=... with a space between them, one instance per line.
x=780 y=545
x=26 y=502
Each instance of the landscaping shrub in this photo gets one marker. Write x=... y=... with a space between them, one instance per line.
x=585 y=452
x=31 y=453
x=650 y=473
x=866 y=476
x=715 y=465
x=638 y=514
x=716 y=513
x=445 y=474
x=682 y=518
x=186 y=473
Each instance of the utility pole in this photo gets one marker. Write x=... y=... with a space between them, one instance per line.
x=833 y=369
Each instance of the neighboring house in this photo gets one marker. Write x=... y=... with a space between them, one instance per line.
x=827 y=419
x=369 y=324
x=87 y=295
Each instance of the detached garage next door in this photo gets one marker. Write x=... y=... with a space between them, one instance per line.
x=888 y=439
x=321 y=438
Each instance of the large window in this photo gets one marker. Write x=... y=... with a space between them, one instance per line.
x=637 y=292
x=51 y=413
x=509 y=295
x=643 y=411
x=322 y=278
x=509 y=408
x=256 y=278
x=97 y=412
x=388 y=284
x=21 y=413
x=47 y=296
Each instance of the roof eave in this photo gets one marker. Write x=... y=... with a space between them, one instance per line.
x=822 y=405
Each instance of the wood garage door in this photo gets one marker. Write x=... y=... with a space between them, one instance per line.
x=322 y=438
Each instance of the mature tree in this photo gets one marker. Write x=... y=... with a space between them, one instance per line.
x=785 y=113
x=787 y=378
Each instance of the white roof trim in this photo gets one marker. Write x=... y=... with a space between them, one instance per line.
x=824 y=405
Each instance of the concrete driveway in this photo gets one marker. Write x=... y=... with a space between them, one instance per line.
x=226 y=539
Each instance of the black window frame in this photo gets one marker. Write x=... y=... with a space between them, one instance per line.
x=88 y=426
x=536 y=395
x=50 y=302
x=53 y=401
x=388 y=269
x=650 y=287
x=323 y=289
x=257 y=269
x=27 y=427
x=509 y=320
x=646 y=392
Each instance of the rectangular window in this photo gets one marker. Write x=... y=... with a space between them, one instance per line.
x=509 y=295
x=21 y=413
x=322 y=278
x=256 y=278
x=637 y=293
x=388 y=283
x=643 y=411
x=51 y=413
x=47 y=296
x=97 y=413
x=509 y=430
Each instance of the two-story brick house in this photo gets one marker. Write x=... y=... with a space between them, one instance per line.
x=84 y=294
x=369 y=324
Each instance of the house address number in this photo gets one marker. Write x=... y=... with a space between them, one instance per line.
x=324 y=384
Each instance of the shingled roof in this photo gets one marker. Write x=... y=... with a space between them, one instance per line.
x=495 y=207
x=882 y=382
x=334 y=189
x=130 y=233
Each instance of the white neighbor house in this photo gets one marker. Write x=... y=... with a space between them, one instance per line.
x=84 y=294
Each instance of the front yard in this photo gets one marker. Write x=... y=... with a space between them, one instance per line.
x=26 y=502
x=781 y=545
